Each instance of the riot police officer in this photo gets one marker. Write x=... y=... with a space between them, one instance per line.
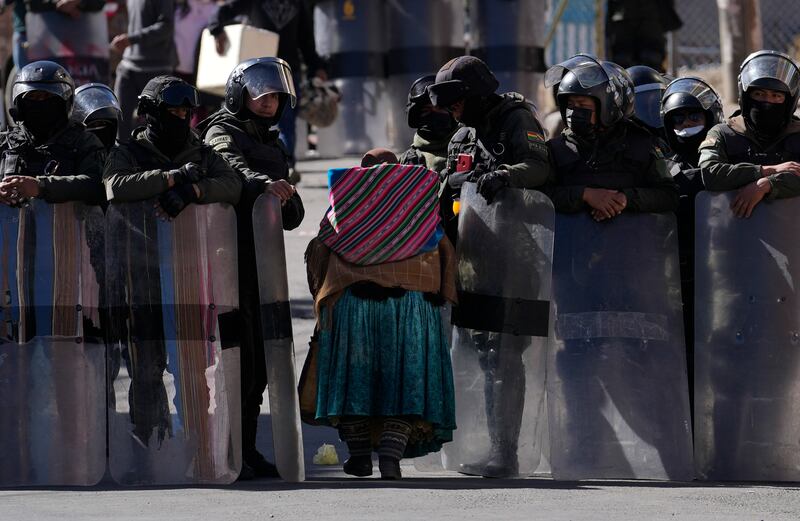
x=96 y=106
x=47 y=155
x=500 y=144
x=256 y=95
x=434 y=128
x=689 y=108
x=165 y=159
x=603 y=163
x=758 y=149
x=649 y=87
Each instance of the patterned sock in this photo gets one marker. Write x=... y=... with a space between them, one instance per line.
x=355 y=433
x=394 y=438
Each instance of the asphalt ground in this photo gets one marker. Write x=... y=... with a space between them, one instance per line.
x=329 y=494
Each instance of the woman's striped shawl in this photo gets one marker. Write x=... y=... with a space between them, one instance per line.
x=380 y=214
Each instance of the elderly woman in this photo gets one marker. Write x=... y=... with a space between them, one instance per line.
x=379 y=269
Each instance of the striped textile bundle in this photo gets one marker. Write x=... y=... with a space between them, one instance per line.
x=380 y=214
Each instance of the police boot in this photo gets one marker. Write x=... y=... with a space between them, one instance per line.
x=254 y=464
x=506 y=421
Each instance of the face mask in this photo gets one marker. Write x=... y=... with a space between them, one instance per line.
x=473 y=113
x=689 y=131
x=767 y=118
x=107 y=133
x=43 y=118
x=580 y=121
x=437 y=124
x=168 y=132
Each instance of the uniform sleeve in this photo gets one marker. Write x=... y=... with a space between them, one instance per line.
x=124 y=184
x=531 y=159
x=220 y=184
x=218 y=138
x=85 y=184
x=716 y=169
x=657 y=192
x=565 y=198
x=783 y=185
x=160 y=31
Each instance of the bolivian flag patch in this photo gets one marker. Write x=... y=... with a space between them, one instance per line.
x=535 y=136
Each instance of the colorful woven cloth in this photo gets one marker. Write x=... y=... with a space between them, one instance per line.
x=384 y=213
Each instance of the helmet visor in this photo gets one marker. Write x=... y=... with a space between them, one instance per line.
x=447 y=93
x=556 y=72
x=180 y=95
x=62 y=90
x=93 y=98
x=771 y=66
x=693 y=87
x=275 y=78
x=647 y=103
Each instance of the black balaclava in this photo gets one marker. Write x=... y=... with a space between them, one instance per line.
x=766 y=119
x=106 y=132
x=167 y=131
x=436 y=125
x=475 y=108
x=43 y=118
x=686 y=142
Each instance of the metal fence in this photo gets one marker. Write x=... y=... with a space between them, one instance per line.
x=695 y=46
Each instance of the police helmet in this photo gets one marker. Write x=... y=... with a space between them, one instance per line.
x=769 y=70
x=164 y=92
x=43 y=76
x=460 y=78
x=649 y=86
x=418 y=99
x=587 y=76
x=95 y=102
x=259 y=77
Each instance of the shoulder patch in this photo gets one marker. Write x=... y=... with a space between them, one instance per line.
x=220 y=142
x=535 y=136
x=708 y=142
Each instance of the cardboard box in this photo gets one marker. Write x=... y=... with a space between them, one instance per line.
x=245 y=42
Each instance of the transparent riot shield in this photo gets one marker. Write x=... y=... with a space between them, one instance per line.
x=80 y=44
x=174 y=411
x=52 y=359
x=276 y=322
x=617 y=384
x=747 y=341
x=499 y=344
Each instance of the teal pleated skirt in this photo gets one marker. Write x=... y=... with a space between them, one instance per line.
x=387 y=358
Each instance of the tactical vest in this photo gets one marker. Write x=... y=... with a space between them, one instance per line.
x=412 y=156
x=742 y=149
x=21 y=157
x=489 y=150
x=268 y=158
x=617 y=165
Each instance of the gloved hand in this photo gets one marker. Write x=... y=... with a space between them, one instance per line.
x=173 y=201
x=187 y=174
x=490 y=184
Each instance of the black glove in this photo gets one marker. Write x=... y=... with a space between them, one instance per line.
x=490 y=184
x=187 y=174
x=175 y=200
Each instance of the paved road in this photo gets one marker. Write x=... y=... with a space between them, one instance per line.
x=328 y=494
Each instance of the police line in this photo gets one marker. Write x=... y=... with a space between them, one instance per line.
x=122 y=322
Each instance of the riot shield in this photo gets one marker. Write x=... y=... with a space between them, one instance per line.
x=276 y=322
x=80 y=44
x=174 y=412
x=52 y=359
x=500 y=337
x=747 y=333
x=617 y=385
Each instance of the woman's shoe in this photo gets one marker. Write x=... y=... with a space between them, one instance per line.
x=390 y=468
x=360 y=466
